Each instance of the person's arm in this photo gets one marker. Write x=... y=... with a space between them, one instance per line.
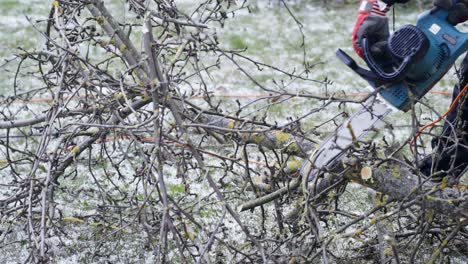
x=452 y=144
x=372 y=23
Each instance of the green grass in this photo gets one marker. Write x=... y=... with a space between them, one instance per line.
x=175 y=189
x=237 y=42
x=9 y=4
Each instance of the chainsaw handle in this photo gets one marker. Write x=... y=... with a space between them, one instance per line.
x=348 y=61
x=396 y=75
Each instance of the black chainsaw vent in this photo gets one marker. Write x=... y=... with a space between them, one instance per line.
x=442 y=55
x=408 y=41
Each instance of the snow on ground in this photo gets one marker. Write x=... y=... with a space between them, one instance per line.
x=270 y=36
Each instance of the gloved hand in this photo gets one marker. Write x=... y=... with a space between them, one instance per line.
x=458 y=10
x=372 y=23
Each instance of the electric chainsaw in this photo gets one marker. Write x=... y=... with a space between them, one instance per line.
x=420 y=56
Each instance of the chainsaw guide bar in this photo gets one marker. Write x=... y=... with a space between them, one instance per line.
x=369 y=118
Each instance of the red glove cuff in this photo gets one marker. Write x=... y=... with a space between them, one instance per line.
x=368 y=8
x=374 y=7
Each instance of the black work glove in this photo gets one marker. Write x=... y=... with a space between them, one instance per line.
x=458 y=10
x=372 y=23
x=375 y=29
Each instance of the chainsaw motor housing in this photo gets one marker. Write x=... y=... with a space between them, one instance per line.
x=420 y=56
x=407 y=46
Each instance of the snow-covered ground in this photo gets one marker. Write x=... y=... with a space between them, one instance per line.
x=270 y=36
